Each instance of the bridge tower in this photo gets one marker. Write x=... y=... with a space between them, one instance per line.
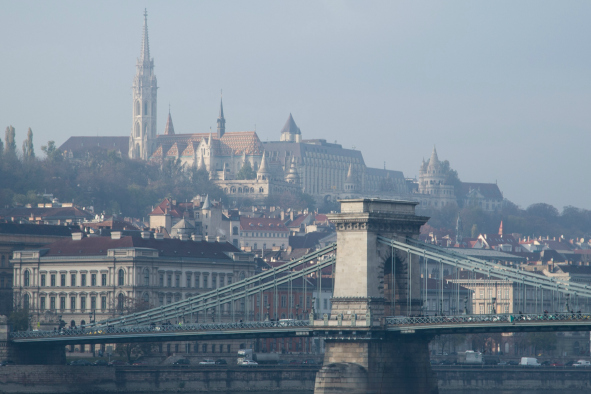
x=370 y=360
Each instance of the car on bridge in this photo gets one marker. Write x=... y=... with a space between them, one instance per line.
x=249 y=363
x=80 y=362
x=182 y=362
x=582 y=363
x=100 y=363
x=207 y=361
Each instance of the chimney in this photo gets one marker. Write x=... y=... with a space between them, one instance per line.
x=145 y=234
x=209 y=238
x=158 y=236
x=221 y=238
x=291 y=215
x=115 y=234
x=184 y=237
x=76 y=236
x=282 y=215
x=197 y=237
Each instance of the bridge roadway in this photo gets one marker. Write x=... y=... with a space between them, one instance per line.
x=428 y=325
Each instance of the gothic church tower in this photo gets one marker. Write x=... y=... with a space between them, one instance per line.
x=143 y=132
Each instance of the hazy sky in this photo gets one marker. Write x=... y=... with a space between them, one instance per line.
x=501 y=88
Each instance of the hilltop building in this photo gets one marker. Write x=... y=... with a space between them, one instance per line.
x=434 y=192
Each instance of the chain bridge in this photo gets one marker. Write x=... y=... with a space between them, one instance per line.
x=391 y=295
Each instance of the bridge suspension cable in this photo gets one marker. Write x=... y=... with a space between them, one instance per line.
x=525 y=278
x=233 y=292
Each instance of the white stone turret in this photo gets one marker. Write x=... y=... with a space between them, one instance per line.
x=349 y=184
x=263 y=171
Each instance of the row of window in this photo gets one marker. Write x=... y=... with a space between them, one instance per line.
x=54 y=280
x=73 y=304
x=167 y=281
x=282 y=234
x=502 y=295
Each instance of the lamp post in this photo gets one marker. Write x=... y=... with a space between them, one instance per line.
x=268 y=312
x=314 y=307
x=494 y=305
x=465 y=305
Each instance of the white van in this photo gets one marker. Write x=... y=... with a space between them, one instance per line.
x=529 y=362
x=582 y=363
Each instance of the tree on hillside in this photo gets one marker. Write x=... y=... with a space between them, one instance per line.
x=52 y=152
x=10 y=148
x=452 y=178
x=28 y=150
x=246 y=172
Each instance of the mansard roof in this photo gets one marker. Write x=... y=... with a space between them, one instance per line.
x=168 y=247
x=81 y=145
x=262 y=224
x=35 y=229
x=489 y=191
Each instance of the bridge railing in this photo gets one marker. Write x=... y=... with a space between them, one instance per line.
x=488 y=319
x=160 y=329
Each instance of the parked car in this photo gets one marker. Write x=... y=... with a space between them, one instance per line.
x=80 y=362
x=207 y=361
x=182 y=362
x=529 y=362
x=502 y=363
x=221 y=361
x=6 y=362
x=117 y=363
x=582 y=363
x=512 y=362
x=100 y=363
x=249 y=363
x=569 y=363
x=545 y=363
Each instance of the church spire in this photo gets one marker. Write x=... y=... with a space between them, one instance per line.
x=169 y=130
x=221 y=121
x=145 y=55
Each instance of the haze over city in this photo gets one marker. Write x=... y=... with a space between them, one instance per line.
x=502 y=90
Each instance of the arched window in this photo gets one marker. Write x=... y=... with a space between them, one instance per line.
x=261 y=190
x=235 y=230
x=72 y=324
x=146 y=278
x=121 y=277
x=26 y=302
x=146 y=108
x=83 y=323
x=137 y=108
x=120 y=302
x=137 y=130
x=146 y=298
x=27 y=278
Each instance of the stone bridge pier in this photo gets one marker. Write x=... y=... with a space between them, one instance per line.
x=367 y=288
x=30 y=353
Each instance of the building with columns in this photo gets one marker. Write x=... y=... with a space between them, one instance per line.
x=105 y=276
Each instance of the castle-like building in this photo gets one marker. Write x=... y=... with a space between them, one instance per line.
x=327 y=171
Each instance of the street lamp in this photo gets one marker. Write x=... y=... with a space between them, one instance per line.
x=494 y=306
x=465 y=305
x=268 y=313
x=314 y=307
